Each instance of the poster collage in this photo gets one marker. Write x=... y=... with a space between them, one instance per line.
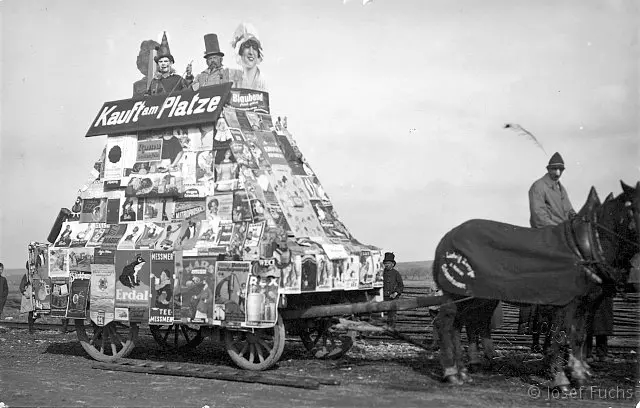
x=206 y=224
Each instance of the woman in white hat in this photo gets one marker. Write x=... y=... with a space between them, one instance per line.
x=248 y=55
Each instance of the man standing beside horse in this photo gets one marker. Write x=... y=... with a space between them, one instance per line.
x=549 y=204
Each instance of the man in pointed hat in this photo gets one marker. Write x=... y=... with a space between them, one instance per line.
x=166 y=81
x=392 y=285
x=549 y=205
x=215 y=73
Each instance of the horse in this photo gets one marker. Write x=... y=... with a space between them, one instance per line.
x=481 y=262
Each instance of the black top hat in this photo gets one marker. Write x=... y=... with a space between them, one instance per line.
x=163 y=50
x=389 y=257
x=556 y=161
x=211 y=46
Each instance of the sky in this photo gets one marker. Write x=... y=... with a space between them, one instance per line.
x=399 y=106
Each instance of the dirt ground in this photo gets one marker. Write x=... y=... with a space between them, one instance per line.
x=50 y=368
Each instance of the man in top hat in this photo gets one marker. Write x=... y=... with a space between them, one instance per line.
x=215 y=73
x=166 y=81
x=393 y=286
x=549 y=205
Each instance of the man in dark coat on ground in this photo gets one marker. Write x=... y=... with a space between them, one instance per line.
x=4 y=289
x=393 y=286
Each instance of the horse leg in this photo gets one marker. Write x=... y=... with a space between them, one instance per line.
x=463 y=372
x=555 y=354
x=446 y=318
x=485 y=330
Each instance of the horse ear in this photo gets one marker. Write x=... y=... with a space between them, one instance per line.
x=593 y=201
x=627 y=189
x=609 y=198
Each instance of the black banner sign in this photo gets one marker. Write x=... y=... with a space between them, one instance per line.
x=249 y=99
x=179 y=109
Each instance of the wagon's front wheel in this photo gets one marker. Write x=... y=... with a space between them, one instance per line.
x=258 y=350
x=107 y=343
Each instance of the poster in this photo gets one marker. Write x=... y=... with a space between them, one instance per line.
x=103 y=287
x=206 y=243
x=39 y=256
x=153 y=208
x=58 y=262
x=188 y=235
x=132 y=234
x=76 y=210
x=252 y=241
x=309 y=273
x=80 y=259
x=177 y=287
x=131 y=210
x=121 y=154
x=79 y=292
x=291 y=274
x=59 y=296
x=271 y=148
x=351 y=272
x=162 y=284
x=366 y=272
x=132 y=285
x=262 y=297
x=149 y=150
x=324 y=280
x=94 y=210
x=113 y=236
x=169 y=235
x=151 y=234
x=41 y=289
x=98 y=235
x=338 y=273
x=378 y=268
x=189 y=209
x=198 y=285
x=231 y=287
x=332 y=226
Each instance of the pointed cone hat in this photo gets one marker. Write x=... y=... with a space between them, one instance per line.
x=163 y=49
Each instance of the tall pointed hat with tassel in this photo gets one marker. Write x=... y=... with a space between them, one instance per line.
x=163 y=49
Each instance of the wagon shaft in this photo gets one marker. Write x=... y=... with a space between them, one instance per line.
x=363 y=307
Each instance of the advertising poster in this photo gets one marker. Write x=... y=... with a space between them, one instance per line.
x=243 y=155
x=295 y=205
x=131 y=210
x=169 y=235
x=225 y=168
x=98 y=235
x=132 y=285
x=76 y=209
x=241 y=207
x=337 y=266
x=103 y=287
x=332 y=226
x=132 y=234
x=251 y=244
x=59 y=296
x=113 y=210
x=367 y=274
x=162 y=284
x=199 y=138
x=155 y=185
x=58 y=262
x=207 y=239
x=231 y=118
x=262 y=298
x=378 y=269
x=189 y=209
x=113 y=236
x=94 y=210
x=80 y=259
x=197 y=288
x=324 y=273
x=351 y=272
x=66 y=233
x=151 y=233
x=41 y=294
x=290 y=275
x=121 y=154
x=309 y=273
x=271 y=148
x=39 y=256
x=149 y=150
x=153 y=208
x=225 y=233
x=79 y=293
x=188 y=235
x=225 y=205
x=231 y=287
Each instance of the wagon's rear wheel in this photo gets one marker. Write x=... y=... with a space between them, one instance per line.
x=177 y=337
x=115 y=340
x=258 y=350
x=325 y=343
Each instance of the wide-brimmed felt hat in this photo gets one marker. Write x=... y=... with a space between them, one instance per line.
x=163 y=50
x=389 y=257
x=211 y=46
x=556 y=162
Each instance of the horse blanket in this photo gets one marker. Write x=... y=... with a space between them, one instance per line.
x=494 y=260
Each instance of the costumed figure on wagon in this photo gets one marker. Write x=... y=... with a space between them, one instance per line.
x=166 y=81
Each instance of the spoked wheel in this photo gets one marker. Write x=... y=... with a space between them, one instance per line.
x=324 y=342
x=115 y=340
x=177 y=337
x=258 y=350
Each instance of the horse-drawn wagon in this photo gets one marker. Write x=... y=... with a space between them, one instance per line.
x=202 y=218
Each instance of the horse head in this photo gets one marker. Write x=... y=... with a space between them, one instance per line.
x=615 y=231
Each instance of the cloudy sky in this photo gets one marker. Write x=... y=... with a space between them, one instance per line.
x=398 y=105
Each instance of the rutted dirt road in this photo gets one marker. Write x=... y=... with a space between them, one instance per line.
x=51 y=369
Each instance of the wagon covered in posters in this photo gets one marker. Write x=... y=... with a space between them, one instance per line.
x=202 y=218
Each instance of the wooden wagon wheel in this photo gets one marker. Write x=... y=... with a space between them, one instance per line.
x=115 y=340
x=258 y=350
x=325 y=343
x=177 y=337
